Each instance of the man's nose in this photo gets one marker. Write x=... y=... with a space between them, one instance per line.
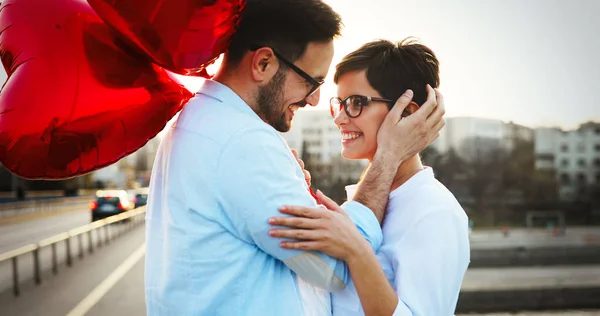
x=313 y=99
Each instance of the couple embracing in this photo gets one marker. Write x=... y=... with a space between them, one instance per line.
x=231 y=225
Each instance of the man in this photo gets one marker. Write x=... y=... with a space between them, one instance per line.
x=223 y=170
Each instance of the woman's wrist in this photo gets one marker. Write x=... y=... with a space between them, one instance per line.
x=359 y=252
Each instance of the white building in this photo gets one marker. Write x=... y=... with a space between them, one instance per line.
x=470 y=135
x=316 y=127
x=545 y=147
x=574 y=156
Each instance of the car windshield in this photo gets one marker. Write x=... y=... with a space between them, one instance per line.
x=108 y=199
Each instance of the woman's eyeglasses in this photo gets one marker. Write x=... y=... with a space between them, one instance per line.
x=352 y=105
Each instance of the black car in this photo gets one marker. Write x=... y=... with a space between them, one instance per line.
x=140 y=198
x=109 y=203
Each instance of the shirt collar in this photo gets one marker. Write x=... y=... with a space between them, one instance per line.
x=404 y=190
x=225 y=95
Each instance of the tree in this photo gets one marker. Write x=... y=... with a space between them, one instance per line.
x=449 y=168
x=429 y=156
x=311 y=165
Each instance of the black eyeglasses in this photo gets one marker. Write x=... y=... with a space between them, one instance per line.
x=352 y=105
x=315 y=84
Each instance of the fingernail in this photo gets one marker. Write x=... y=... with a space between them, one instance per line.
x=271 y=233
x=408 y=93
x=271 y=221
x=283 y=244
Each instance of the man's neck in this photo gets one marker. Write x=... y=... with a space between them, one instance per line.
x=239 y=86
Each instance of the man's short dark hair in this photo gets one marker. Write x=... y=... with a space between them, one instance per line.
x=392 y=68
x=286 y=26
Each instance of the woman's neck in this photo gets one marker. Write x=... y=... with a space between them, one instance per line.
x=406 y=171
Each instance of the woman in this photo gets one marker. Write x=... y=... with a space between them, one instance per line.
x=425 y=252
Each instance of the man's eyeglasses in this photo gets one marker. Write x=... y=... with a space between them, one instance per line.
x=352 y=105
x=315 y=84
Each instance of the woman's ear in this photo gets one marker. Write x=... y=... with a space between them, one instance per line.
x=410 y=109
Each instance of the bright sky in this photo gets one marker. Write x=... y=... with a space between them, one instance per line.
x=534 y=62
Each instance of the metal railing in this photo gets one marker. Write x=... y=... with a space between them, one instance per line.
x=103 y=230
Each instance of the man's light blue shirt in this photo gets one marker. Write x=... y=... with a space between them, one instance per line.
x=219 y=175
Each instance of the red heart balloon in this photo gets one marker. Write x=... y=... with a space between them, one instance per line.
x=182 y=36
x=76 y=98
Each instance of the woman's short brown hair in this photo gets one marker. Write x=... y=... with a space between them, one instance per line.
x=392 y=68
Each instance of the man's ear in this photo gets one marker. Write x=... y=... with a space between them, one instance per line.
x=264 y=65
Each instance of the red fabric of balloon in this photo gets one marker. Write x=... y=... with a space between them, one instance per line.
x=77 y=98
x=182 y=36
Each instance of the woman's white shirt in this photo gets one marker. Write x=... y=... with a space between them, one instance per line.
x=425 y=251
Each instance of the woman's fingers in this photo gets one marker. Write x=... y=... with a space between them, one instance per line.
x=298 y=234
x=302 y=245
x=295 y=222
x=305 y=211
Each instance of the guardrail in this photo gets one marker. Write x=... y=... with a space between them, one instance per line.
x=131 y=218
x=44 y=193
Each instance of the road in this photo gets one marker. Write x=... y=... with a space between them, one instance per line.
x=110 y=281
x=60 y=294
x=16 y=235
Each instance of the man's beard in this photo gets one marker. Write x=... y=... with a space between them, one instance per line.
x=270 y=99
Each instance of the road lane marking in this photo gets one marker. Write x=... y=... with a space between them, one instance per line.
x=96 y=295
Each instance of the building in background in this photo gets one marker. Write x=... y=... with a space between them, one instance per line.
x=470 y=136
x=131 y=171
x=573 y=156
x=316 y=128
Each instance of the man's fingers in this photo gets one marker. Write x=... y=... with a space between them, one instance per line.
x=435 y=117
x=436 y=131
x=440 y=100
x=396 y=113
x=301 y=163
x=439 y=125
x=438 y=114
x=430 y=104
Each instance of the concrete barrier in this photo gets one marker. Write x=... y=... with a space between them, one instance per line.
x=539 y=256
x=528 y=299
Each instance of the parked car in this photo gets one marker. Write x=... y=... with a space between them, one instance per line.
x=140 y=197
x=109 y=203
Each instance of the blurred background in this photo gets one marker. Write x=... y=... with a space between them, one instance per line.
x=520 y=151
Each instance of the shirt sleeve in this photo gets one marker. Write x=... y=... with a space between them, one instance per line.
x=257 y=175
x=429 y=263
